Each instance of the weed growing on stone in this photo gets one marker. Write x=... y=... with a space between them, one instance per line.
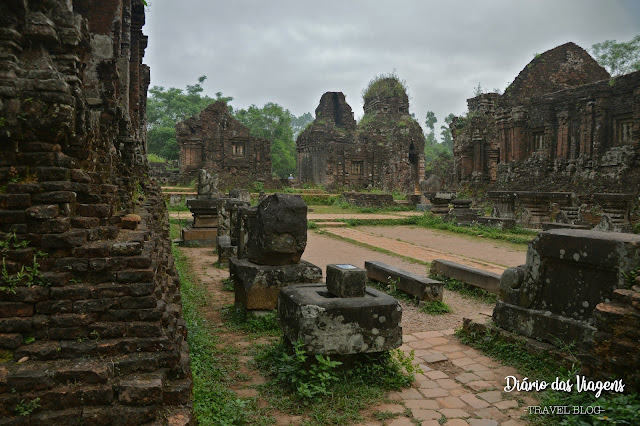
x=323 y=389
x=213 y=401
x=227 y=284
x=29 y=275
x=25 y=408
x=392 y=290
x=239 y=319
x=437 y=307
x=619 y=409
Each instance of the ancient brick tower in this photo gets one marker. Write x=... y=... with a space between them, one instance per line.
x=90 y=311
x=216 y=141
x=563 y=124
x=385 y=150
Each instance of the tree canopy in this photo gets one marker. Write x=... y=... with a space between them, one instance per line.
x=618 y=57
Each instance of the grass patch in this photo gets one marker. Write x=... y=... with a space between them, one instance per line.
x=213 y=401
x=428 y=220
x=318 y=387
x=437 y=307
x=180 y=207
x=619 y=409
x=227 y=284
x=466 y=290
x=392 y=290
x=238 y=319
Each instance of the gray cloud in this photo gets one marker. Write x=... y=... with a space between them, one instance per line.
x=290 y=52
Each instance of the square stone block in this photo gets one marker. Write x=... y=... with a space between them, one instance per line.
x=205 y=221
x=346 y=280
x=332 y=325
x=201 y=237
x=257 y=286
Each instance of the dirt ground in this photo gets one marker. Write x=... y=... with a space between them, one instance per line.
x=322 y=250
x=499 y=252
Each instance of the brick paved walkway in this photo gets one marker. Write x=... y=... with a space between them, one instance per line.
x=460 y=386
x=411 y=250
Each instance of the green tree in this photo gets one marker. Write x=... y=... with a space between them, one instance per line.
x=274 y=123
x=299 y=123
x=618 y=58
x=166 y=107
x=445 y=133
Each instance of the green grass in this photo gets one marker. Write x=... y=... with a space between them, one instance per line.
x=304 y=385
x=213 y=401
x=437 y=307
x=181 y=207
x=154 y=158
x=620 y=409
x=239 y=320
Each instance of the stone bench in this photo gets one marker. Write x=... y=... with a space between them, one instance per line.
x=425 y=289
x=488 y=281
x=546 y=226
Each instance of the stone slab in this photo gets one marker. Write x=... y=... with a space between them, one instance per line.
x=425 y=289
x=257 y=286
x=487 y=281
x=332 y=325
x=202 y=237
x=546 y=226
x=346 y=280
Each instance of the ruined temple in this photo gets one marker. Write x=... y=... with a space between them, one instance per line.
x=385 y=150
x=91 y=327
x=563 y=124
x=214 y=140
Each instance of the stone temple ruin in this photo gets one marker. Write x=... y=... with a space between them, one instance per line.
x=563 y=125
x=577 y=288
x=214 y=140
x=93 y=327
x=385 y=150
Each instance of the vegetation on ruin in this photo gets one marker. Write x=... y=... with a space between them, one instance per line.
x=620 y=409
x=384 y=86
x=155 y=158
x=27 y=275
x=317 y=386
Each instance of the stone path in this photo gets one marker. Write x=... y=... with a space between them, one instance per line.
x=460 y=386
x=411 y=250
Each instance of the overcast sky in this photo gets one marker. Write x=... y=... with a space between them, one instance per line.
x=291 y=52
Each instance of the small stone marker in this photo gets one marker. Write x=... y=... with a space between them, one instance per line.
x=346 y=280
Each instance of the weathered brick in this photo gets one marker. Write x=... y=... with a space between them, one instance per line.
x=30 y=378
x=107 y=264
x=177 y=392
x=54 y=307
x=141 y=289
x=52 y=173
x=14 y=201
x=71 y=320
x=54 y=197
x=74 y=238
x=38 y=351
x=144 y=302
x=15 y=309
x=71 y=292
x=16 y=325
x=144 y=329
x=66 y=333
x=99 y=249
x=109 y=330
x=85 y=222
x=72 y=264
x=108 y=189
x=12 y=216
x=24 y=188
x=56 y=417
x=143 y=275
x=93 y=305
x=43 y=212
x=94 y=210
x=10 y=341
x=126 y=249
x=31 y=294
x=139 y=262
x=140 y=391
x=79 y=175
x=52 y=226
